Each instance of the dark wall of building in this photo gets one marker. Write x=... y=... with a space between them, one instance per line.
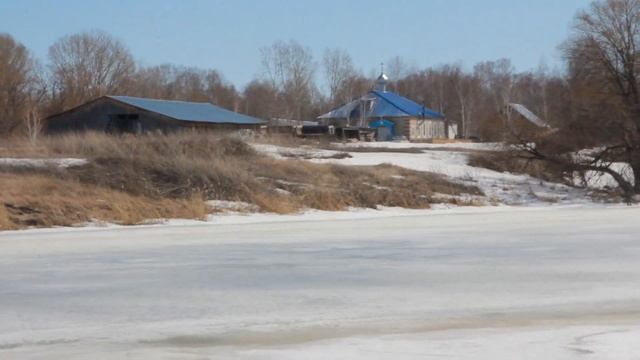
x=106 y=115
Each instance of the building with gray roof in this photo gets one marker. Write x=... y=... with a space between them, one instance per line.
x=125 y=114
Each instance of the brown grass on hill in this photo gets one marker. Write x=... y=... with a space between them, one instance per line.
x=188 y=168
x=40 y=201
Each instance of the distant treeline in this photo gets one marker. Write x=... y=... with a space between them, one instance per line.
x=84 y=66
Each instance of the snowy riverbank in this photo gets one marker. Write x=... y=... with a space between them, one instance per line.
x=517 y=282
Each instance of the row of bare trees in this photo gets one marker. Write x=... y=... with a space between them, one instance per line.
x=476 y=99
x=84 y=66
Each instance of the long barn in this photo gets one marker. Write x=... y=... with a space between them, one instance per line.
x=125 y=114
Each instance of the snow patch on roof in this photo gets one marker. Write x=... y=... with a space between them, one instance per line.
x=527 y=114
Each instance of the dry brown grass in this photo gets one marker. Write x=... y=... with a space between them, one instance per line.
x=505 y=161
x=41 y=201
x=5 y=222
x=293 y=141
x=182 y=170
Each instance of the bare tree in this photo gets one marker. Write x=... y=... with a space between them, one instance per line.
x=543 y=81
x=221 y=92
x=339 y=70
x=466 y=88
x=497 y=77
x=154 y=82
x=88 y=65
x=290 y=68
x=18 y=79
x=260 y=99
x=603 y=56
x=396 y=68
x=173 y=82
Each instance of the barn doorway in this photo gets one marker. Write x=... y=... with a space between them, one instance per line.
x=124 y=123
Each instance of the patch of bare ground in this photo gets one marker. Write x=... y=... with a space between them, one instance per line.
x=183 y=171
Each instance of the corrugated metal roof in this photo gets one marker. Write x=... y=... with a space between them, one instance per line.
x=383 y=104
x=527 y=114
x=342 y=112
x=189 y=111
x=409 y=107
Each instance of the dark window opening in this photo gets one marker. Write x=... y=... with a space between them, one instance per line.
x=124 y=123
x=128 y=116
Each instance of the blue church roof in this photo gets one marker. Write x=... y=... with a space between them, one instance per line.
x=189 y=111
x=383 y=104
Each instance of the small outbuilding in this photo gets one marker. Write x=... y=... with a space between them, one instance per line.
x=390 y=115
x=518 y=111
x=523 y=122
x=126 y=114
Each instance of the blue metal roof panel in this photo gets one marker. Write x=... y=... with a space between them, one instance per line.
x=384 y=104
x=403 y=105
x=189 y=111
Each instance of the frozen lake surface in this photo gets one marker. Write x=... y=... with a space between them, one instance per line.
x=530 y=283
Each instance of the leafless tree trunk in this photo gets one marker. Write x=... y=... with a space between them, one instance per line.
x=466 y=88
x=544 y=82
x=33 y=123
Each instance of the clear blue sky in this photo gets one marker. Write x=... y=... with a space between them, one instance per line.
x=227 y=35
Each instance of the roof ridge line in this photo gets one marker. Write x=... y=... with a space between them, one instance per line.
x=161 y=100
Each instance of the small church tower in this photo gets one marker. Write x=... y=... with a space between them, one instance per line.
x=383 y=80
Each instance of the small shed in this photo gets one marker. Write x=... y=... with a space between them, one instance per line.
x=514 y=110
x=385 y=129
x=126 y=114
x=524 y=123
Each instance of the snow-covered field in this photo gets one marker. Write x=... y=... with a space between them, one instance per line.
x=409 y=145
x=451 y=161
x=488 y=283
x=496 y=282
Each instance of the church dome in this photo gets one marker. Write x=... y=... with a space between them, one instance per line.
x=382 y=82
